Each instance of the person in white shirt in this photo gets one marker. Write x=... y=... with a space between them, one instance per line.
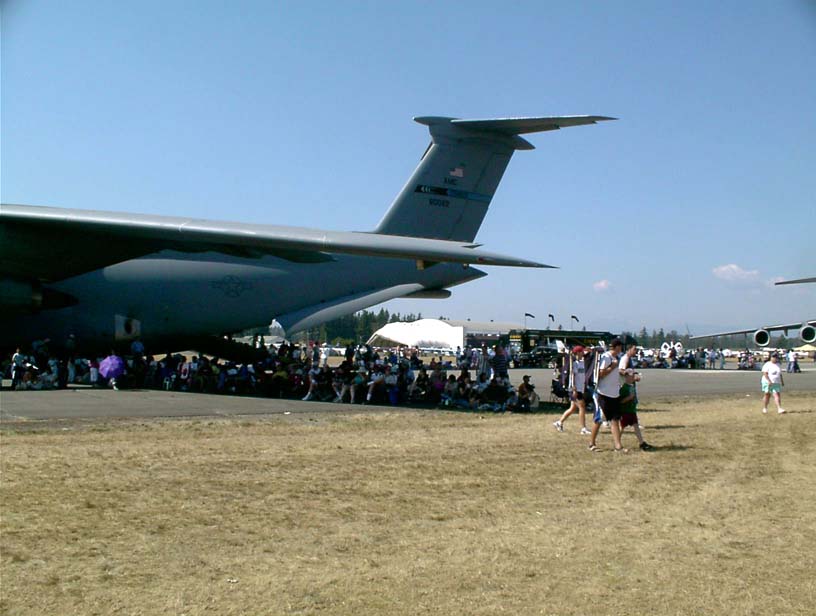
x=608 y=393
x=791 y=357
x=772 y=383
x=577 y=390
x=18 y=362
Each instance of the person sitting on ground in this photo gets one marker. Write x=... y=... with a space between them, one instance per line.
x=340 y=378
x=312 y=381
x=205 y=377
x=405 y=378
x=449 y=391
x=494 y=396
x=437 y=383
x=391 y=382
x=358 y=383
x=32 y=378
x=461 y=398
x=419 y=388
x=376 y=386
x=476 y=391
x=279 y=382
x=525 y=393
x=325 y=391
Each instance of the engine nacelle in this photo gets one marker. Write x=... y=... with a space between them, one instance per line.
x=18 y=296
x=807 y=333
x=24 y=297
x=666 y=347
x=762 y=337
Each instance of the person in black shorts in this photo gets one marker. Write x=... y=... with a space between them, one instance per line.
x=608 y=393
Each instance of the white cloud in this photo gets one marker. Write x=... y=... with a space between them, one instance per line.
x=734 y=273
x=602 y=285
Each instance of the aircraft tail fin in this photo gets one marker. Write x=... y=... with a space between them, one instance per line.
x=449 y=192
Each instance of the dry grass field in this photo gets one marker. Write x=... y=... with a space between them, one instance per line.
x=412 y=513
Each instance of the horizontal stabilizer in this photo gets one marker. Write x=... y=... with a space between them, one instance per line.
x=512 y=127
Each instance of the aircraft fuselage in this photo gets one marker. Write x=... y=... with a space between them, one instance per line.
x=175 y=295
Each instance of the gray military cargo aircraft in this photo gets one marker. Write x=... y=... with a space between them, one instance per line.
x=107 y=278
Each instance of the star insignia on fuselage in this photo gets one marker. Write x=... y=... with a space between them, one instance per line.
x=232 y=286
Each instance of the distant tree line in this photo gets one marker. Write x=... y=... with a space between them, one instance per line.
x=355 y=328
x=358 y=327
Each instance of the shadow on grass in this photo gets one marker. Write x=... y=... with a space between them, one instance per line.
x=551 y=407
x=672 y=447
x=665 y=427
x=655 y=449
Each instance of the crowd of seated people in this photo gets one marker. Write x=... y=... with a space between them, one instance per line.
x=474 y=380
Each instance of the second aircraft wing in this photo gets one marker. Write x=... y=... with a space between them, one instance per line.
x=769 y=328
x=797 y=281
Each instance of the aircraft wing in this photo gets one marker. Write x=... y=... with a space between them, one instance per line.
x=52 y=244
x=769 y=328
x=798 y=281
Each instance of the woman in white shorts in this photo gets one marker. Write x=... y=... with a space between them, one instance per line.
x=772 y=383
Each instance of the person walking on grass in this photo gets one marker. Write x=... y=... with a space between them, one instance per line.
x=577 y=392
x=626 y=358
x=628 y=400
x=772 y=383
x=608 y=394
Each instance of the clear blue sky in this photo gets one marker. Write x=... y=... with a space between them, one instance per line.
x=300 y=113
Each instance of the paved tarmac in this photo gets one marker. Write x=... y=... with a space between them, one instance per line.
x=83 y=403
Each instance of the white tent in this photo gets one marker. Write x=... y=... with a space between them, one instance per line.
x=425 y=333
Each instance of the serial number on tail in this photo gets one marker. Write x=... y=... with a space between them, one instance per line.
x=439 y=202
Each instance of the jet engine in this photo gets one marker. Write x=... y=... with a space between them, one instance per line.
x=762 y=337
x=666 y=348
x=19 y=296
x=807 y=333
x=24 y=297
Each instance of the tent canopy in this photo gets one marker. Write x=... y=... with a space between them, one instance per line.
x=425 y=333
